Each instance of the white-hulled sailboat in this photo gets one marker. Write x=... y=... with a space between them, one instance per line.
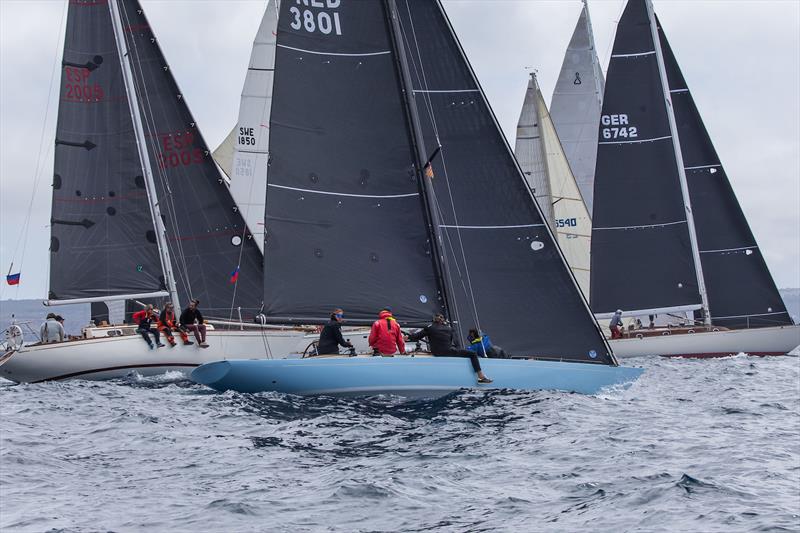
x=140 y=211
x=668 y=234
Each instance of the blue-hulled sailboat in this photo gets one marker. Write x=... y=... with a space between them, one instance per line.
x=390 y=182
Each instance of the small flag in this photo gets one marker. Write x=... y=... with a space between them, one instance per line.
x=235 y=275
x=13 y=279
x=428 y=171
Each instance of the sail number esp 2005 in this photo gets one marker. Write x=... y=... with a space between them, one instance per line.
x=316 y=21
x=617 y=126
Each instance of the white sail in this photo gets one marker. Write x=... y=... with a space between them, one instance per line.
x=223 y=155
x=247 y=167
x=546 y=168
x=576 y=105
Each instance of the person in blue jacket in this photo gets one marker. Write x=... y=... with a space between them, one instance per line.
x=482 y=345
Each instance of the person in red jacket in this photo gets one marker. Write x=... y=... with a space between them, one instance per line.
x=144 y=319
x=385 y=336
x=167 y=324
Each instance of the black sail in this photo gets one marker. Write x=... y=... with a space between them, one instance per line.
x=208 y=239
x=740 y=288
x=102 y=240
x=641 y=250
x=344 y=217
x=506 y=274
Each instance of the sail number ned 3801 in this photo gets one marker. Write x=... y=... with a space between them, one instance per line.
x=312 y=20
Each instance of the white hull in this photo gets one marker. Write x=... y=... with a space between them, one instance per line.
x=114 y=357
x=757 y=341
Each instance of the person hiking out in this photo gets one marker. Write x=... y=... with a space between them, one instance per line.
x=482 y=345
x=330 y=338
x=442 y=344
x=616 y=325
x=51 y=330
x=192 y=320
x=385 y=336
x=144 y=319
x=167 y=323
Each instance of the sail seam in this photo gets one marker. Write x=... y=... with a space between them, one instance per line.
x=365 y=54
x=331 y=193
x=516 y=226
x=638 y=140
x=729 y=250
x=679 y=91
x=643 y=226
x=640 y=54
x=429 y=91
x=702 y=167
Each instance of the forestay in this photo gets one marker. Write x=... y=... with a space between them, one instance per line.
x=641 y=251
x=741 y=291
x=576 y=105
x=103 y=243
x=208 y=238
x=344 y=216
x=506 y=275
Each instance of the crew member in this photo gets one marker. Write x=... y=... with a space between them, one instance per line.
x=167 y=324
x=441 y=342
x=385 y=336
x=144 y=319
x=51 y=330
x=192 y=320
x=616 y=325
x=330 y=338
x=482 y=345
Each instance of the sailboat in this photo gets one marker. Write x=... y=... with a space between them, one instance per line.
x=548 y=173
x=140 y=211
x=576 y=105
x=668 y=234
x=390 y=183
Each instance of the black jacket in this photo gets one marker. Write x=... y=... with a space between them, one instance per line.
x=331 y=338
x=440 y=338
x=189 y=315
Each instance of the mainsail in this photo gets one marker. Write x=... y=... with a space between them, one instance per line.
x=741 y=291
x=103 y=242
x=541 y=157
x=641 y=248
x=208 y=238
x=248 y=164
x=577 y=101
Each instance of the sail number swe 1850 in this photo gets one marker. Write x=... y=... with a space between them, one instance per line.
x=618 y=127
x=313 y=21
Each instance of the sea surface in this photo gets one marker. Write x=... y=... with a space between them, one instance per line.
x=694 y=445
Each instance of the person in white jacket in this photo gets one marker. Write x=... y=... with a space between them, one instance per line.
x=51 y=330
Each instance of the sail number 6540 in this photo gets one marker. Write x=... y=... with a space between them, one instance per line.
x=312 y=21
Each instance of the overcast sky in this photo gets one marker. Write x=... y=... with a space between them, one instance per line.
x=741 y=60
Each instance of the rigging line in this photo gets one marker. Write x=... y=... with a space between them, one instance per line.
x=614 y=25
x=37 y=176
x=149 y=123
x=419 y=70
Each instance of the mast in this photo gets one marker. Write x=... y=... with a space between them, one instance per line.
x=426 y=189
x=701 y=285
x=141 y=144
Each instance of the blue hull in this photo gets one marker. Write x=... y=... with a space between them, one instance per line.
x=404 y=376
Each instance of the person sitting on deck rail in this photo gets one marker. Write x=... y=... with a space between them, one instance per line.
x=482 y=345
x=330 y=338
x=167 y=324
x=441 y=342
x=192 y=319
x=616 y=325
x=144 y=319
x=385 y=336
x=51 y=330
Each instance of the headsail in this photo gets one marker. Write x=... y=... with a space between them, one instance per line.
x=207 y=235
x=740 y=288
x=344 y=216
x=541 y=157
x=641 y=248
x=507 y=275
x=576 y=105
x=103 y=243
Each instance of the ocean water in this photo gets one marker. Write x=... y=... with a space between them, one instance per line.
x=694 y=445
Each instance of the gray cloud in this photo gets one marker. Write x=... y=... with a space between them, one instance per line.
x=740 y=58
